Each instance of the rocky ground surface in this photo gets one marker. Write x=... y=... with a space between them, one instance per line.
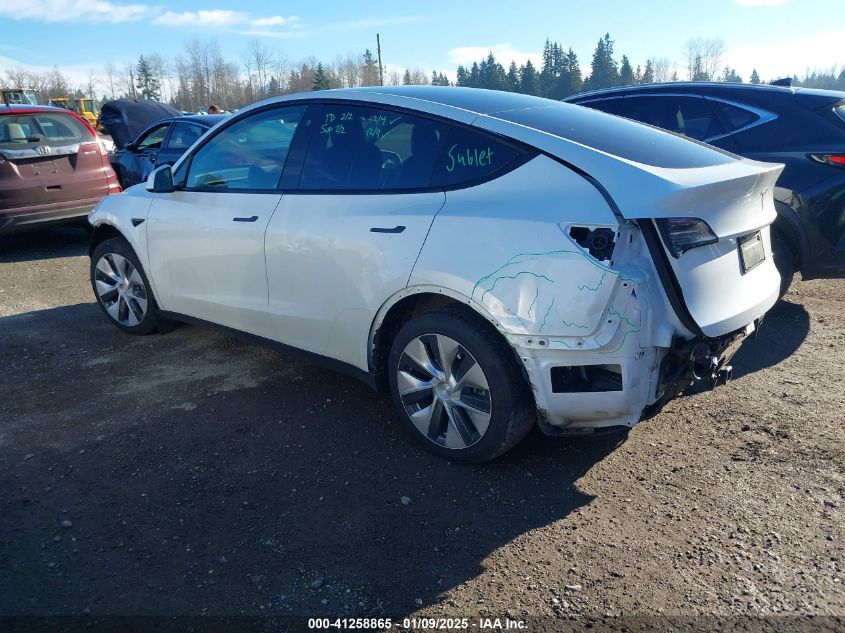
x=192 y=473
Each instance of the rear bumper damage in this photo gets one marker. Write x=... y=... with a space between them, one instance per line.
x=598 y=396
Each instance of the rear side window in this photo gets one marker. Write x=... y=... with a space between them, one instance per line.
x=618 y=136
x=840 y=111
x=51 y=129
x=249 y=154
x=690 y=116
x=366 y=148
x=611 y=106
x=733 y=117
x=184 y=135
x=469 y=155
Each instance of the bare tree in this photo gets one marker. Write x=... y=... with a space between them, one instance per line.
x=111 y=75
x=703 y=58
x=261 y=62
x=19 y=78
x=91 y=84
x=663 y=69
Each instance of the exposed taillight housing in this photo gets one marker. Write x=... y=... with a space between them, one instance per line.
x=682 y=234
x=834 y=160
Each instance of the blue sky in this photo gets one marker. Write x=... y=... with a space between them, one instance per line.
x=778 y=37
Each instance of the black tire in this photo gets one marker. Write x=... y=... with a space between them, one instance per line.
x=150 y=321
x=784 y=258
x=511 y=405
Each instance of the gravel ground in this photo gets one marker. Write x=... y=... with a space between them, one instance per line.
x=191 y=473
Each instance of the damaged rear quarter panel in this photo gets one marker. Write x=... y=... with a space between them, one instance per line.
x=505 y=246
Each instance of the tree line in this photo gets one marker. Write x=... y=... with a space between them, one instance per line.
x=201 y=75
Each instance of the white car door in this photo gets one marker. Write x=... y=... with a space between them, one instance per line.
x=206 y=240
x=348 y=237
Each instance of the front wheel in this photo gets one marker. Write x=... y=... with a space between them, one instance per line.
x=458 y=388
x=121 y=287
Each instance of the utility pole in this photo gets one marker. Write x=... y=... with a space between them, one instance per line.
x=380 y=72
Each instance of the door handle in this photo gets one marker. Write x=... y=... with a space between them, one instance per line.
x=382 y=229
x=249 y=219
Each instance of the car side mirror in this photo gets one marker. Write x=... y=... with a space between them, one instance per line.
x=131 y=147
x=160 y=180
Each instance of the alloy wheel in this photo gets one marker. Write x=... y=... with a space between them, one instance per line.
x=120 y=289
x=444 y=391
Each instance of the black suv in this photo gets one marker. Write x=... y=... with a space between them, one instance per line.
x=802 y=128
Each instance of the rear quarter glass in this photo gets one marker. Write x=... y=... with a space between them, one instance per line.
x=840 y=111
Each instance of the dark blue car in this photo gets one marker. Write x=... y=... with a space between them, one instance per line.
x=802 y=128
x=162 y=143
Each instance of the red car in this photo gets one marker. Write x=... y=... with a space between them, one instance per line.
x=52 y=167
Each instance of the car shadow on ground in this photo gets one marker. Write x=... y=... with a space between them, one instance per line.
x=784 y=329
x=64 y=240
x=192 y=473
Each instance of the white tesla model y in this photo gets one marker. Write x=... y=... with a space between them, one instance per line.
x=495 y=260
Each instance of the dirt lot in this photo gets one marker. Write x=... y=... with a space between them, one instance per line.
x=191 y=473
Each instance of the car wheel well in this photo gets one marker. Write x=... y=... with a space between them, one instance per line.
x=101 y=234
x=784 y=226
x=403 y=311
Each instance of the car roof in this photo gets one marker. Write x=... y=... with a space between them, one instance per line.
x=708 y=87
x=474 y=101
x=24 y=108
x=206 y=120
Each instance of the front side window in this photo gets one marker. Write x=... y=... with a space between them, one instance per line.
x=250 y=154
x=362 y=148
x=154 y=138
x=469 y=155
x=184 y=135
x=690 y=116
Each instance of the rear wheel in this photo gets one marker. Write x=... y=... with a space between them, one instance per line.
x=458 y=388
x=784 y=258
x=121 y=287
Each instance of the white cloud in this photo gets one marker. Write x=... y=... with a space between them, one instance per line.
x=760 y=3
x=371 y=23
x=76 y=75
x=276 y=20
x=784 y=58
x=504 y=53
x=210 y=17
x=276 y=35
x=74 y=11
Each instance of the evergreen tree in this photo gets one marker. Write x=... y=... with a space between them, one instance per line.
x=529 y=80
x=148 y=84
x=462 y=77
x=369 y=70
x=576 y=84
x=321 y=80
x=626 y=73
x=439 y=79
x=730 y=75
x=698 y=72
x=512 y=82
x=406 y=80
x=648 y=73
x=638 y=76
x=755 y=78
x=604 y=70
x=474 y=80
